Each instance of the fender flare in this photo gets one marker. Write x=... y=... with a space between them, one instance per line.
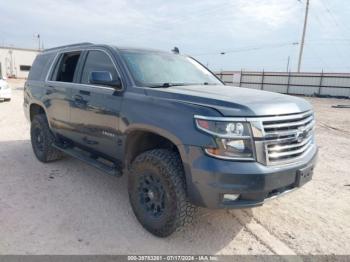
x=39 y=103
x=157 y=131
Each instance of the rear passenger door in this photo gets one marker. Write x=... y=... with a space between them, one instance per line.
x=95 y=108
x=58 y=91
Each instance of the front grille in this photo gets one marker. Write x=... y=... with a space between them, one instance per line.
x=287 y=137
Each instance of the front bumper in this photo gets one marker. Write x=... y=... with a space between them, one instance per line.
x=208 y=179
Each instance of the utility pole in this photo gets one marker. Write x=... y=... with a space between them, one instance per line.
x=38 y=37
x=303 y=36
x=288 y=63
x=11 y=62
x=38 y=41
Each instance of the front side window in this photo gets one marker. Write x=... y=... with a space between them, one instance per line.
x=156 y=68
x=97 y=61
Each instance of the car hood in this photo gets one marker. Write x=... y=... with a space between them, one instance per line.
x=234 y=101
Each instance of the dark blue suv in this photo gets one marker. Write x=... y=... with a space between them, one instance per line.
x=182 y=137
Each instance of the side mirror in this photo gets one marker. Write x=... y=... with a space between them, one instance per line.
x=104 y=78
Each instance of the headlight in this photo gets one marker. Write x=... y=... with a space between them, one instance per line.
x=233 y=138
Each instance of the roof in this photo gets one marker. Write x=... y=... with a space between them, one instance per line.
x=87 y=44
x=139 y=49
x=68 y=46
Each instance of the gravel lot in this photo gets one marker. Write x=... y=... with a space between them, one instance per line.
x=67 y=207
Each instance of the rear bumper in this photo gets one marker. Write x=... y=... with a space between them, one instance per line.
x=208 y=179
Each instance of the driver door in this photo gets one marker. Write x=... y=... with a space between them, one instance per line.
x=95 y=108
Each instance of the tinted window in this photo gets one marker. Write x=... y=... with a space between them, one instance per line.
x=97 y=61
x=66 y=67
x=40 y=67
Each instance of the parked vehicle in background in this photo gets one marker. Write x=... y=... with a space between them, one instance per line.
x=182 y=137
x=5 y=90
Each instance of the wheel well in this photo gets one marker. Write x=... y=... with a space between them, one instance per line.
x=141 y=141
x=34 y=110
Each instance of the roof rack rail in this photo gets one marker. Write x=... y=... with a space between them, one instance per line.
x=66 y=46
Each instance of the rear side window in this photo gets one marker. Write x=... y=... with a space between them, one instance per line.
x=97 y=61
x=66 y=67
x=40 y=67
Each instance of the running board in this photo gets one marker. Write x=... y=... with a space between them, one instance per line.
x=86 y=157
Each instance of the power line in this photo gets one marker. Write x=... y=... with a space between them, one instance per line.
x=327 y=40
x=332 y=16
x=340 y=55
x=320 y=23
x=247 y=49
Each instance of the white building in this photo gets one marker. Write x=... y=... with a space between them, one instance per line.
x=16 y=62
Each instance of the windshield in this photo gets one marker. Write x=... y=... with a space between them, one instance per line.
x=155 y=69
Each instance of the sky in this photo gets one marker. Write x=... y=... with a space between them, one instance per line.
x=224 y=35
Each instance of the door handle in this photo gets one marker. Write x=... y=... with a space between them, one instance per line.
x=78 y=98
x=50 y=90
x=80 y=102
x=89 y=142
x=84 y=92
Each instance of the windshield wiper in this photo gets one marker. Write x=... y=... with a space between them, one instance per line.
x=209 y=84
x=202 y=84
x=165 y=85
x=168 y=84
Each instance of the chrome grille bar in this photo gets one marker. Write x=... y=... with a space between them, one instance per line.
x=286 y=117
x=275 y=155
x=283 y=139
x=287 y=132
x=281 y=147
x=289 y=124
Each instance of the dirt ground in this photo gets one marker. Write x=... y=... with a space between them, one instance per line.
x=67 y=207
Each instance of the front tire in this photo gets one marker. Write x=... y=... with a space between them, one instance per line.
x=157 y=192
x=42 y=140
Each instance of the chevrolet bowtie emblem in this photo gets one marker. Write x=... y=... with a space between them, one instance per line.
x=301 y=134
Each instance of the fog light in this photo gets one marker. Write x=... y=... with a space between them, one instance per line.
x=230 y=197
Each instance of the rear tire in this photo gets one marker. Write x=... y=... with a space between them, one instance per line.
x=42 y=140
x=157 y=192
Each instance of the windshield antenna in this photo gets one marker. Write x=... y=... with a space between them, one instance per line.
x=175 y=50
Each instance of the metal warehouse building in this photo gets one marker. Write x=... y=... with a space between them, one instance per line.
x=16 y=62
